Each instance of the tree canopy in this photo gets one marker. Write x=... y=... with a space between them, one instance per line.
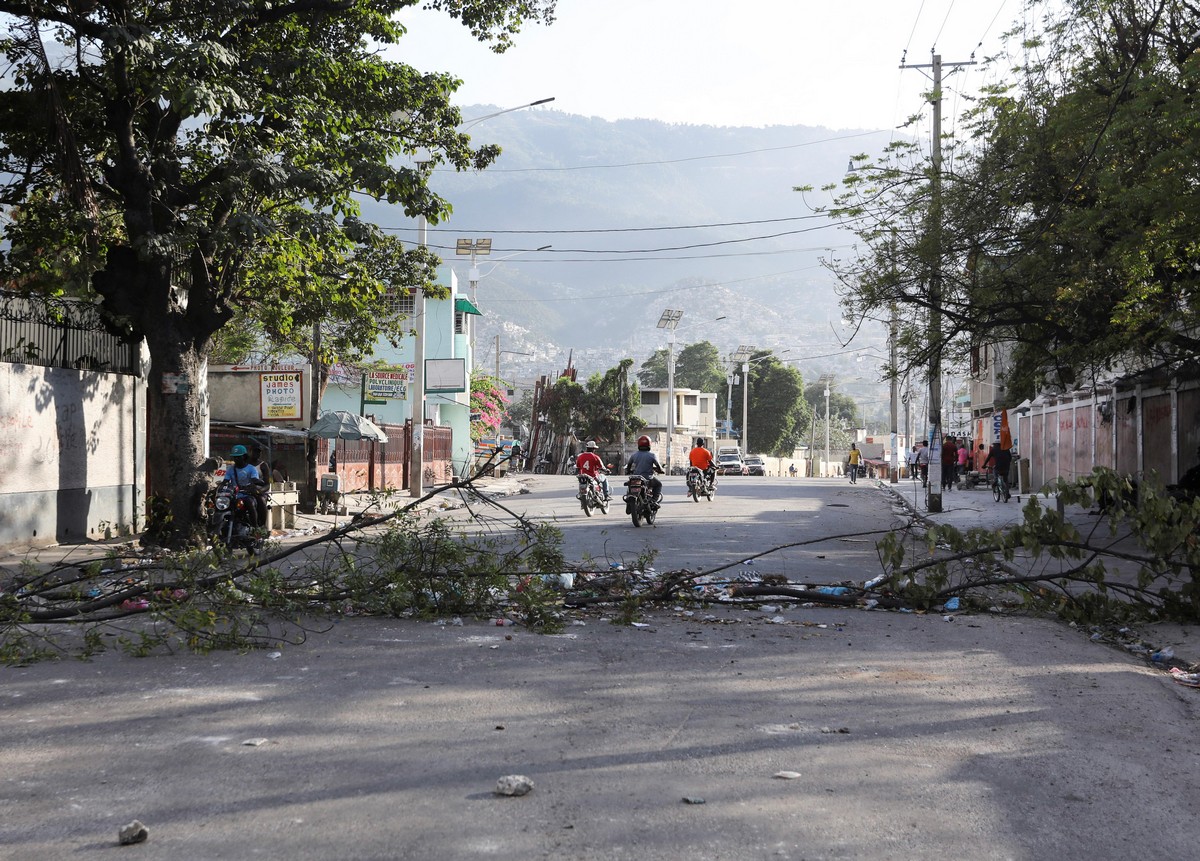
x=1066 y=219
x=182 y=161
x=776 y=410
x=697 y=366
x=593 y=410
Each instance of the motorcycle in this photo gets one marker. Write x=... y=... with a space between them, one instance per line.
x=591 y=495
x=640 y=503
x=233 y=517
x=700 y=484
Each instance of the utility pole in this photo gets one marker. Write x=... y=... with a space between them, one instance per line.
x=935 y=286
x=894 y=472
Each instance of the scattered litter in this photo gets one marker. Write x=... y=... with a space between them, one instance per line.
x=254 y=742
x=135 y=604
x=513 y=784
x=692 y=799
x=777 y=620
x=769 y=608
x=1191 y=680
x=832 y=590
x=503 y=623
x=874 y=581
x=134 y=832
x=275 y=656
x=566 y=580
x=457 y=621
x=844 y=730
x=1163 y=655
x=641 y=624
x=786 y=775
x=951 y=604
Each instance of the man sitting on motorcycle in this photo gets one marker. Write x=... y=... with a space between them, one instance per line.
x=645 y=463
x=589 y=463
x=245 y=476
x=702 y=458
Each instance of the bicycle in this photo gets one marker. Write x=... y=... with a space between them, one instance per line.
x=999 y=487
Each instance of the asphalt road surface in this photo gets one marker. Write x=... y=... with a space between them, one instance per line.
x=749 y=515
x=705 y=733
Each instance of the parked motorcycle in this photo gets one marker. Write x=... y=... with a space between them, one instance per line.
x=639 y=500
x=591 y=495
x=233 y=517
x=700 y=484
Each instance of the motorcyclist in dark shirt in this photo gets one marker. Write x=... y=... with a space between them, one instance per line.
x=645 y=463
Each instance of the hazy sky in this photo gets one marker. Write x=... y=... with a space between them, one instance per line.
x=722 y=62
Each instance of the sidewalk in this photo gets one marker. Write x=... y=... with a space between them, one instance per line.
x=976 y=508
x=306 y=525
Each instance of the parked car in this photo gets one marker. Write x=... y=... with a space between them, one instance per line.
x=754 y=465
x=730 y=464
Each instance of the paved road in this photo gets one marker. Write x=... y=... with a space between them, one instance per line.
x=748 y=516
x=979 y=737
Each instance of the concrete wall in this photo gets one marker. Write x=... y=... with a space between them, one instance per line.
x=235 y=394
x=72 y=459
x=1134 y=430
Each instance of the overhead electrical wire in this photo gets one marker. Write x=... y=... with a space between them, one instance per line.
x=657 y=162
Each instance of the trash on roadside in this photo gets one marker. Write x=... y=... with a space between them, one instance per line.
x=786 y=775
x=832 y=590
x=692 y=799
x=1191 y=680
x=1163 y=655
x=513 y=785
x=951 y=604
x=254 y=742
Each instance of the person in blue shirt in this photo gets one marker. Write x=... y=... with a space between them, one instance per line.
x=245 y=475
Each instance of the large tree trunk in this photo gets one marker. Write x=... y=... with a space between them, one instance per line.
x=176 y=471
x=177 y=332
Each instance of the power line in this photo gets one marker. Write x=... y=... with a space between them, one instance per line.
x=671 y=160
x=624 y=229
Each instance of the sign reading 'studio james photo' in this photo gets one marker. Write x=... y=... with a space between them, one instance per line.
x=280 y=395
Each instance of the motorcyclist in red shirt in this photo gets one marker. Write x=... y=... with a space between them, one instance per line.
x=589 y=463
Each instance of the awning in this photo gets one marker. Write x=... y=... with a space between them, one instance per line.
x=466 y=306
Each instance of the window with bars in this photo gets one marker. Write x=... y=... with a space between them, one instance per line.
x=401 y=302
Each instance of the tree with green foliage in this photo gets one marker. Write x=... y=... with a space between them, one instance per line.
x=181 y=162
x=1067 y=218
x=697 y=366
x=776 y=411
x=593 y=410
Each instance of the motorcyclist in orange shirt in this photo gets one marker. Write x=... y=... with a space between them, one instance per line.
x=702 y=458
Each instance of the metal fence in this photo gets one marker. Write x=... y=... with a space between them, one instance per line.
x=61 y=333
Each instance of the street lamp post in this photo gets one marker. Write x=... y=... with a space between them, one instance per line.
x=825 y=468
x=416 y=394
x=669 y=320
x=740 y=356
x=482 y=247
